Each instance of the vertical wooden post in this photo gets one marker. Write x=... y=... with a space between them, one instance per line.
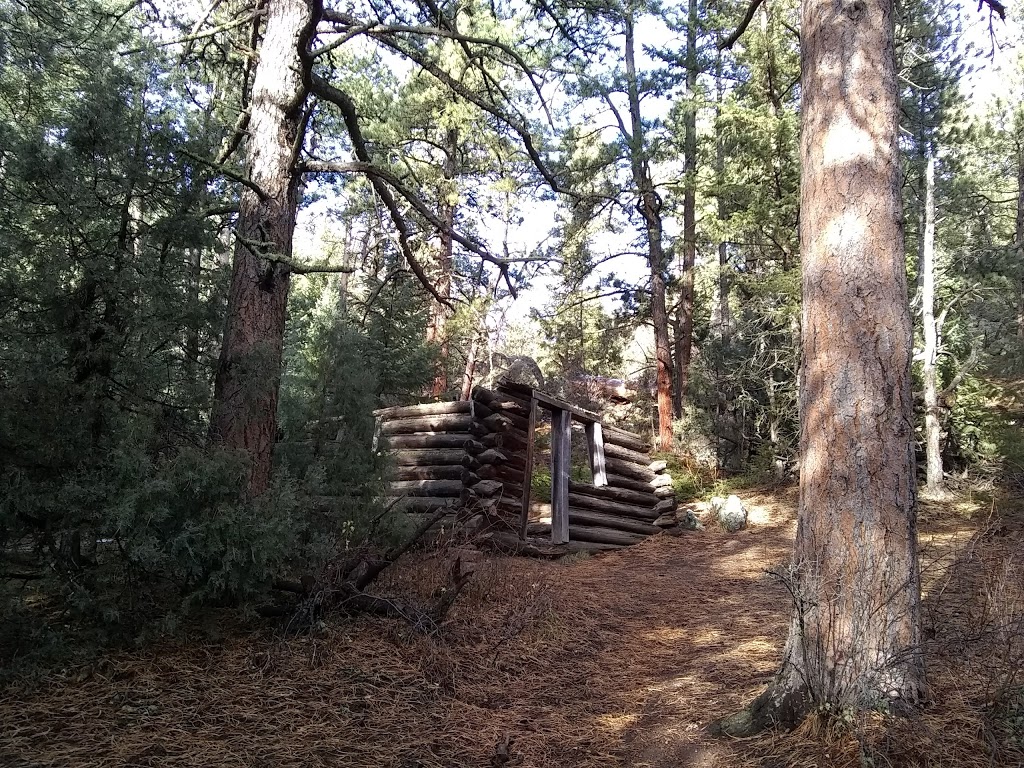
x=524 y=516
x=595 y=450
x=561 y=430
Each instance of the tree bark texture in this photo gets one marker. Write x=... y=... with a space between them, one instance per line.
x=248 y=373
x=854 y=641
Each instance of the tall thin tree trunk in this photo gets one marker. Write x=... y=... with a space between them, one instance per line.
x=854 y=641
x=437 y=330
x=932 y=427
x=1019 y=235
x=684 y=325
x=470 y=370
x=249 y=371
x=649 y=204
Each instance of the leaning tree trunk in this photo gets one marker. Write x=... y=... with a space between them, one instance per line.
x=854 y=640
x=249 y=371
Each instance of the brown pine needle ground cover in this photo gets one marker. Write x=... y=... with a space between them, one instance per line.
x=613 y=660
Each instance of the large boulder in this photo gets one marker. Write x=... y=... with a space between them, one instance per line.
x=731 y=513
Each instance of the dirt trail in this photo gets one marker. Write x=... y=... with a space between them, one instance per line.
x=613 y=660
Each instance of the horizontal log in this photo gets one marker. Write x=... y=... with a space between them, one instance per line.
x=501 y=401
x=625 y=454
x=481 y=410
x=492 y=456
x=441 y=472
x=498 y=422
x=590 y=517
x=630 y=470
x=621 y=437
x=487 y=488
x=510 y=543
x=658 y=466
x=505 y=474
x=665 y=505
x=612 y=507
x=423 y=409
x=519 y=393
x=517 y=421
x=665 y=492
x=444 y=488
x=603 y=535
x=492 y=440
x=469 y=478
x=435 y=457
x=640 y=498
x=618 y=481
x=431 y=442
x=422 y=503
x=458 y=422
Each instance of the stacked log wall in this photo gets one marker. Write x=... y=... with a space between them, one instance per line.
x=471 y=456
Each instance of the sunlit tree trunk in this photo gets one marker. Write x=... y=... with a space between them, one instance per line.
x=649 y=205
x=854 y=640
x=248 y=374
x=929 y=374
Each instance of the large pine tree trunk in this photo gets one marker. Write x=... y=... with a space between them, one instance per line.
x=854 y=641
x=248 y=374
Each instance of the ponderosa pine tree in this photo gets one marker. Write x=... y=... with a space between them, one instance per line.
x=854 y=640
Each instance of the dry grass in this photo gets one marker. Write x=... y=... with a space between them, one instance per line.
x=618 y=659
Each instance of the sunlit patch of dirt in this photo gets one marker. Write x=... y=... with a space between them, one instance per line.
x=617 y=659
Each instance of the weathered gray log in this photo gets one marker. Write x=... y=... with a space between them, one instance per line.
x=515 y=391
x=459 y=422
x=481 y=410
x=661 y=481
x=665 y=492
x=504 y=541
x=497 y=401
x=505 y=474
x=665 y=505
x=440 y=472
x=491 y=456
x=658 y=466
x=443 y=488
x=524 y=510
x=595 y=453
x=618 y=481
x=498 y=423
x=487 y=488
x=470 y=478
x=603 y=535
x=428 y=457
x=640 y=498
x=617 y=436
x=430 y=442
x=590 y=517
x=515 y=420
x=612 y=507
x=422 y=503
x=628 y=469
x=423 y=409
x=492 y=440
x=625 y=454
x=561 y=456
x=668 y=520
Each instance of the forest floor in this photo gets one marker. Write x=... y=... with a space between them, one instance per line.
x=619 y=659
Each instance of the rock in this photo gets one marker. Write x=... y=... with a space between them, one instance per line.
x=664 y=493
x=662 y=481
x=732 y=515
x=688 y=520
x=658 y=466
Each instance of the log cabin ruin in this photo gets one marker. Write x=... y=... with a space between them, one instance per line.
x=477 y=459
